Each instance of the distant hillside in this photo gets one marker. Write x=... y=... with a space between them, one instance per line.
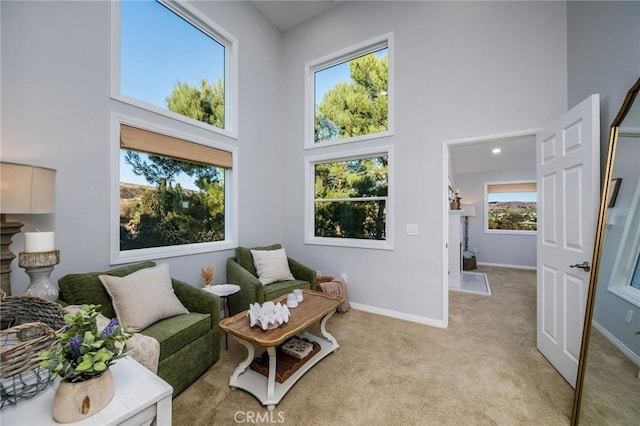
x=512 y=205
x=131 y=196
x=133 y=191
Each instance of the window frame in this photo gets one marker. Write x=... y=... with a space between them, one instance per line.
x=628 y=254
x=309 y=212
x=118 y=256
x=335 y=58
x=194 y=17
x=486 y=229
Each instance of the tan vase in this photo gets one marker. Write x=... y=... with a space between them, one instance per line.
x=76 y=401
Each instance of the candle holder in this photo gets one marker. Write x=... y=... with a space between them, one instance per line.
x=38 y=266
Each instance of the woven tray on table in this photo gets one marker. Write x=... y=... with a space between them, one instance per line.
x=29 y=326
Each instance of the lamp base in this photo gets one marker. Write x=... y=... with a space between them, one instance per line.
x=7 y=231
x=39 y=266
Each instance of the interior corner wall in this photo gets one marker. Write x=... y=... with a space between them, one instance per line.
x=56 y=113
x=604 y=57
x=497 y=249
x=462 y=69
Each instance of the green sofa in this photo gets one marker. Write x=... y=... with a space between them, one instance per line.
x=242 y=271
x=189 y=344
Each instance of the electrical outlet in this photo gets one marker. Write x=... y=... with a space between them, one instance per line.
x=629 y=316
x=344 y=276
x=318 y=273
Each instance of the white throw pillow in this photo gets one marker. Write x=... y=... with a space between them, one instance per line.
x=271 y=265
x=143 y=297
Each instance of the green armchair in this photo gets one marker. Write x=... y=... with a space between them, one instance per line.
x=241 y=271
x=189 y=343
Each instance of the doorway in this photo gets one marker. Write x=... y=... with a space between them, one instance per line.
x=568 y=186
x=474 y=158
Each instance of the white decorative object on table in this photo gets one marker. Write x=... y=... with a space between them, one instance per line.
x=292 y=300
x=269 y=315
x=299 y=294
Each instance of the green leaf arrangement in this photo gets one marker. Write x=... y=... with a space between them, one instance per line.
x=81 y=353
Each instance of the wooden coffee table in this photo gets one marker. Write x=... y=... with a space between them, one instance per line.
x=316 y=307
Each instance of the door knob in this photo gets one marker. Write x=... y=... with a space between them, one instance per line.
x=584 y=265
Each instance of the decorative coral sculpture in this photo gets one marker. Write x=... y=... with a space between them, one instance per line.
x=269 y=315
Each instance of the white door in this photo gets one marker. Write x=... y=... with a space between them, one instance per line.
x=568 y=174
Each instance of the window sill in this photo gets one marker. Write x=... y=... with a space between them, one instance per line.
x=349 y=242
x=312 y=145
x=629 y=294
x=233 y=133
x=119 y=257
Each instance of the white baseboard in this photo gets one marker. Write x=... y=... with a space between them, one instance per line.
x=617 y=343
x=397 y=315
x=502 y=265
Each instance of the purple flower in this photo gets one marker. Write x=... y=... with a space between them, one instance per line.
x=110 y=328
x=75 y=342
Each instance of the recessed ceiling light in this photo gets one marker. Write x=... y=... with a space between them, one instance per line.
x=496 y=150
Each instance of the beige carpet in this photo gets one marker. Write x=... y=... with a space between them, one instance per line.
x=611 y=393
x=483 y=370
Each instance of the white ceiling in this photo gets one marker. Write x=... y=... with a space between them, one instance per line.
x=287 y=14
x=476 y=158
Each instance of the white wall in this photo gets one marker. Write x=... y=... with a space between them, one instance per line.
x=500 y=249
x=56 y=112
x=462 y=70
x=604 y=58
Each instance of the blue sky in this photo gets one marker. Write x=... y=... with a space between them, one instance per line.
x=158 y=48
x=327 y=78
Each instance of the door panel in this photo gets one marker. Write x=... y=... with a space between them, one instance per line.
x=548 y=318
x=573 y=210
x=568 y=187
x=547 y=194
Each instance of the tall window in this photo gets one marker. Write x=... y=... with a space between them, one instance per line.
x=511 y=207
x=173 y=195
x=349 y=200
x=348 y=94
x=174 y=61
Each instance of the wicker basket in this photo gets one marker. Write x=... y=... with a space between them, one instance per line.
x=29 y=326
x=469 y=263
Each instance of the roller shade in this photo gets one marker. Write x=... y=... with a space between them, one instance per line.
x=135 y=139
x=512 y=187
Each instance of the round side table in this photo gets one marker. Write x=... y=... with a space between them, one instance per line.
x=223 y=291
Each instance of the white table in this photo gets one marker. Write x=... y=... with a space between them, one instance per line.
x=223 y=291
x=140 y=398
x=316 y=307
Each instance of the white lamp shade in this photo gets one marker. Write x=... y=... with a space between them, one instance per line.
x=26 y=189
x=468 y=210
